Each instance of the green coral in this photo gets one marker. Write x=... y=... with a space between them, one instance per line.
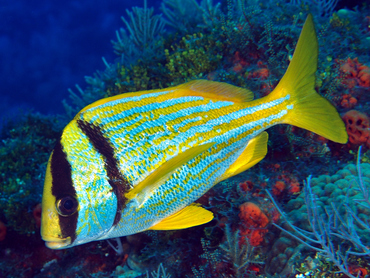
x=195 y=56
x=338 y=22
x=24 y=150
x=133 y=78
x=130 y=79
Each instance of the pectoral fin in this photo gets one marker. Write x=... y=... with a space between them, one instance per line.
x=189 y=216
x=142 y=191
x=253 y=153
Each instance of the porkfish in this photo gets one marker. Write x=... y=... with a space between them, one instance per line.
x=138 y=161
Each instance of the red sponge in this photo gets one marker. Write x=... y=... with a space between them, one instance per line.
x=357 y=125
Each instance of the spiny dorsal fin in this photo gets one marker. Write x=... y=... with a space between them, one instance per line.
x=190 y=216
x=141 y=192
x=215 y=90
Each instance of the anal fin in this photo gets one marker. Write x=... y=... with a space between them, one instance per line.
x=253 y=153
x=190 y=216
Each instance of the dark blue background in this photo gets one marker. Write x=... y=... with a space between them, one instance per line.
x=49 y=46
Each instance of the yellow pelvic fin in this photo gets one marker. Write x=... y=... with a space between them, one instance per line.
x=190 y=216
x=142 y=191
x=253 y=153
x=215 y=90
x=309 y=110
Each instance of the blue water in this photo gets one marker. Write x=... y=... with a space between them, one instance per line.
x=47 y=47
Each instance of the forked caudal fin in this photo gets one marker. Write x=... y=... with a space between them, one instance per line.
x=309 y=110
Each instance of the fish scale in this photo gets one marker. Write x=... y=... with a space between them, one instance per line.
x=205 y=167
x=224 y=123
x=186 y=137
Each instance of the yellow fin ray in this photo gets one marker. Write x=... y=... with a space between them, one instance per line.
x=309 y=110
x=253 y=153
x=190 y=216
x=204 y=88
x=143 y=190
x=215 y=90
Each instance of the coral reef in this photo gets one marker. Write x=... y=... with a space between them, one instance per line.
x=24 y=150
x=194 y=57
x=245 y=43
x=339 y=190
x=331 y=216
x=355 y=74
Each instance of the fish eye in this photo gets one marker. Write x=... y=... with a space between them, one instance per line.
x=67 y=206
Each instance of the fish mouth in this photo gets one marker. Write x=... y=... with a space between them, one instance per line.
x=57 y=243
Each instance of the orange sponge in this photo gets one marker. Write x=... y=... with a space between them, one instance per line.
x=357 y=125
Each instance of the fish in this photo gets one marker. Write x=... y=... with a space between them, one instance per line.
x=139 y=161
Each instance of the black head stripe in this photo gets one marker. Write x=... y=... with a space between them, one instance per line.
x=62 y=186
x=116 y=180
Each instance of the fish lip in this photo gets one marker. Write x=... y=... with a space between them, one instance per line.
x=57 y=243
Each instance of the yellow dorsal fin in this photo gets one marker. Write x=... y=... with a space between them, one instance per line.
x=253 y=153
x=190 y=216
x=215 y=90
x=142 y=191
x=203 y=88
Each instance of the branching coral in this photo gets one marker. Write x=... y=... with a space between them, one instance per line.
x=321 y=7
x=178 y=14
x=160 y=273
x=144 y=29
x=333 y=231
x=210 y=13
x=240 y=255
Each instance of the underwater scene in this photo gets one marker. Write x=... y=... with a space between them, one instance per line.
x=203 y=138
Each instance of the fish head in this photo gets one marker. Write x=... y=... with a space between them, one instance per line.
x=78 y=205
x=56 y=208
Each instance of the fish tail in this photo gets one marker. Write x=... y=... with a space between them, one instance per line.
x=307 y=109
